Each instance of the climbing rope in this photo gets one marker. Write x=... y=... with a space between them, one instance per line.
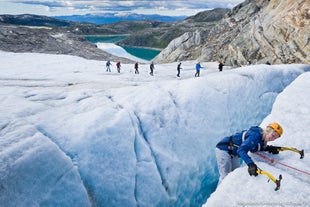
x=272 y=160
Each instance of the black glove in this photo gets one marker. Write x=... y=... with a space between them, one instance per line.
x=273 y=150
x=252 y=169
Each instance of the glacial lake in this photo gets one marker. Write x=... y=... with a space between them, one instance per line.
x=139 y=52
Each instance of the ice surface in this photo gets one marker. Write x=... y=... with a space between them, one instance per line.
x=75 y=135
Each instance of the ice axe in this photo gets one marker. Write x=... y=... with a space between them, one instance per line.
x=301 y=152
x=271 y=177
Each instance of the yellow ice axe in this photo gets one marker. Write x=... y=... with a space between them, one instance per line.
x=301 y=152
x=271 y=177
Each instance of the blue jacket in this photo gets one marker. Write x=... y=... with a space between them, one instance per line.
x=198 y=66
x=253 y=142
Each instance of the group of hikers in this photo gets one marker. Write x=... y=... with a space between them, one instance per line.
x=136 y=67
x=152 y=67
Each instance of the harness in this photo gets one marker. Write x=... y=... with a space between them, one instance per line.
x=231 y=144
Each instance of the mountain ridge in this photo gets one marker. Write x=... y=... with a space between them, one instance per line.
x=108 y=18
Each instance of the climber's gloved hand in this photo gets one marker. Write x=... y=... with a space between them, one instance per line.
x=273 y=150
x=252 y=169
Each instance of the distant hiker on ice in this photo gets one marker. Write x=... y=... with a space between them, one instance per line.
x=136 y=68
x=179 y=69
x=198 y=67
x=118 y=66
x=152 y=68
x=230 y=149
x=221 y=66
x=108 y=66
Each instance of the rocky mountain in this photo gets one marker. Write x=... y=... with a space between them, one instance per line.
x=255 y=30
x=40 y=34
x=33 y=33
x=33 y=20
x=45 y=40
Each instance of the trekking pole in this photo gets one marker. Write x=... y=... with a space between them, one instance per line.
x=271 y=177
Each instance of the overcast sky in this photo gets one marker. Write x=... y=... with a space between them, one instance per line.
x=63 y=7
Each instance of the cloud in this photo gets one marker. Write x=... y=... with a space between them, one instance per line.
x=96 y=6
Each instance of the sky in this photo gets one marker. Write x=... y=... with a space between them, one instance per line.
x=80 y=7
x=72 y=134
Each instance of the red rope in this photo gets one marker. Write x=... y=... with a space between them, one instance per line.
x=272 y=160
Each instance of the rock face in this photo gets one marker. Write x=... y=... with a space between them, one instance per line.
x=46 y=40
x=255 y=30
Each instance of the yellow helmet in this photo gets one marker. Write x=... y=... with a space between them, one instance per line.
x=275 y=126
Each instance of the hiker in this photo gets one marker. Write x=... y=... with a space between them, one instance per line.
x=108 y=66
x=221 y=66
x=136 y=68
x=198 y=67
x=118 y=66
x=179 y=69
x=230 y=149
x=152 y=68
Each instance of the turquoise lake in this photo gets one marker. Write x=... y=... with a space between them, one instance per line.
x=143 y=53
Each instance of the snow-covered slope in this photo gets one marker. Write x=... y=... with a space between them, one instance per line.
x=108 y=139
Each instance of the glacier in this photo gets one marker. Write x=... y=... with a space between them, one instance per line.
x=75 y=135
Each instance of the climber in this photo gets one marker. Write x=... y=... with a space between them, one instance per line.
x=230 y=149
x=198 y=67
x=221 y=65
